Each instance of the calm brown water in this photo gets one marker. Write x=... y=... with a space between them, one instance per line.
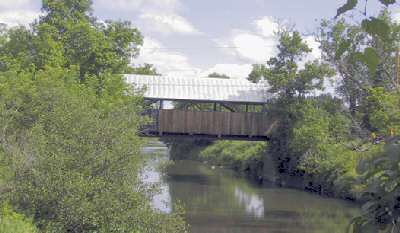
x=218 y=201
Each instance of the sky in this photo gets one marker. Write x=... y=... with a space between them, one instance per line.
x=198 y=37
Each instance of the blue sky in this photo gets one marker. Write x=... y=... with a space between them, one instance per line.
x=197 y=37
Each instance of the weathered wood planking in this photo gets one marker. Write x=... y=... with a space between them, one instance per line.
x=214 y=123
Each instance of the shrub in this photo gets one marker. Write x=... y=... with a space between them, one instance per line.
x=237 y=154
x=12 y=222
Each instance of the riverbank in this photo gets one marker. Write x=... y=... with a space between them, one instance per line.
x=251 y=159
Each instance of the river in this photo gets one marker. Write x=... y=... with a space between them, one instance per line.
x=217 y=200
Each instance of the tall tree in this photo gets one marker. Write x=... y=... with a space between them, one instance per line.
x=284 y=74
x=340 y=42
x=69 y=125
x=69 y=36
x=291 y=78
x=363 y=60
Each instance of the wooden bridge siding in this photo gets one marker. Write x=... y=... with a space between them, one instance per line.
x=213 y=123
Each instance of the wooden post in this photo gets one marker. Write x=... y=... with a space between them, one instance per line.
x=215 y=107
x=159 y=116
x=161 y=104
x=247 y=107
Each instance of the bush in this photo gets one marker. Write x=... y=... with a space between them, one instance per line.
x=76 y=156
x=236 y=154
x=383 y=111
x=321 y=140
x=12 y=222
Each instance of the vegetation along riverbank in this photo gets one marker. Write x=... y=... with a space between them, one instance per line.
x=69 y=149
x=345 y=146
x=71 y=155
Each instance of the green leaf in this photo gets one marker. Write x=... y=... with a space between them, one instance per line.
x=376 y=27
x=343 y=46
x=370 y=57
x=387 y=2
x=350 y=4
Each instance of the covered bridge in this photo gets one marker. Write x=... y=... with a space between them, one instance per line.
x=229 y=118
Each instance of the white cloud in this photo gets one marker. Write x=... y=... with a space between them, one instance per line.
x=18 y=17
x=316 y=53
x=13 y=4
x=396 y=16
x=157 y=15
x=259 y=44
x=232 y=70
x=165 y=62
x=253 y=47
x=267 y=26
x=138 y=5
x=256 y=45
x=168 y=23
x=177 y=64
x=120 y=5
x=314 y=45
x=19 y=12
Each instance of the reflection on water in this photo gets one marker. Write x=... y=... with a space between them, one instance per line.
x=253 y=204
x=151 y=175
x=217 y=201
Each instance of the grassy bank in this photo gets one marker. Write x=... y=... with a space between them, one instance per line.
x=239 y=155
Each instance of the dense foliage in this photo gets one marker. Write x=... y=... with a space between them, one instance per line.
x=69 y=148
x=239 y=155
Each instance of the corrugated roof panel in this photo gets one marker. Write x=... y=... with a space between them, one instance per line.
x=201 y=89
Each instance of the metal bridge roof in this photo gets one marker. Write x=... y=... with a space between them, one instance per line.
x=200 y=89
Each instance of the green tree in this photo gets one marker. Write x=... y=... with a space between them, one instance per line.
x=379 y=110
x=77 y=169
x=69 y=36
x=363 y=61
x=380 y=182
x=217 y=75
x=257 y=73
x=16 y=49
x=283 y=72
x=383 y=110
x=340 y=42
x=292 y=84
x=146 y=69
x=69 y=122
x=351 y=4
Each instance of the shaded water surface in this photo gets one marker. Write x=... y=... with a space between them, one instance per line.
x=218 y=201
